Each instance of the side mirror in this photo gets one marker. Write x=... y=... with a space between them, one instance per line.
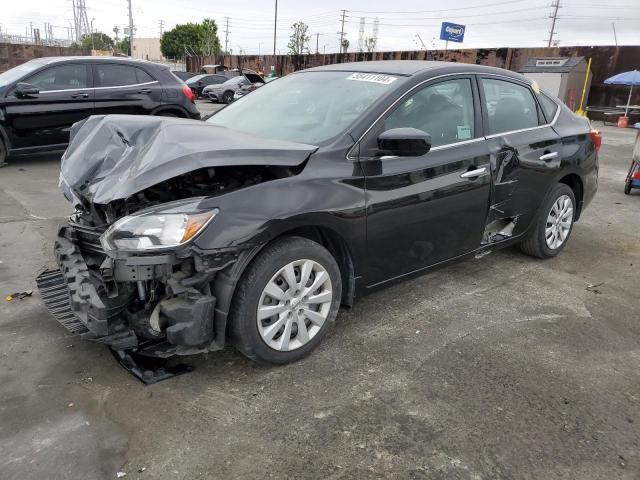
x=199 y=82
x=25 y=89
x=404 y=142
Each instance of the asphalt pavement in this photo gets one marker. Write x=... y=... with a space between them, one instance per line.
x=506 y=367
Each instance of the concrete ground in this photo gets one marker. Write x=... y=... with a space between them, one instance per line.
x=506 y=367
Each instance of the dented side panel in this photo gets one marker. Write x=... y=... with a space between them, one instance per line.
x=520 y=179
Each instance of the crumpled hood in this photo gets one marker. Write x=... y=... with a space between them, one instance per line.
x=112 y=157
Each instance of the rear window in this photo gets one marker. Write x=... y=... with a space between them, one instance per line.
x=549 y=107
x=510 y=106
x=114 y=75
x=143 y=77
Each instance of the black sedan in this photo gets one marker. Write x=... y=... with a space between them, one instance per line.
x=306 y=195
x=199 y=82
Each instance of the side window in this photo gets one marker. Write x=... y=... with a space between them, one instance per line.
x=142 y=76
x=443 y=110
x=510 y=106
x=61 y=77
x=549 y=107
x=112 y=75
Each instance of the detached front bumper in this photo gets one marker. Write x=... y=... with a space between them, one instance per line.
x=155 y=305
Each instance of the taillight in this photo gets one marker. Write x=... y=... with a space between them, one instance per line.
x=189 y=94
x=596 y=138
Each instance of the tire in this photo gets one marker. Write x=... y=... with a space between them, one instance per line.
x=167 y=114
x=227 y=97
x=3 y=154
x=627 y=185
x=536 y=243
x=262 y=340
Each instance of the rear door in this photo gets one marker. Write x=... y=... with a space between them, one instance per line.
x=428 y=209
x=65 y=96
x=125 y=89
x=525 y=154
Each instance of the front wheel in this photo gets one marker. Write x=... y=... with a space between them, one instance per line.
x=286 y=301
x=227 y=97
x=553 y=224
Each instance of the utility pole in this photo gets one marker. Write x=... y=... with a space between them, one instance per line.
x=161 y=25
x=317 y=42
x=555 y=5
x=226 y=34
x=344 y=14
x=115 y=31
x=130 y=30
x=75 y=19
x=275 y=29
x=424 y=47
x=615 y=37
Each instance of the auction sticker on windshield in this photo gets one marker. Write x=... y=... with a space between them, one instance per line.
x=372 y=77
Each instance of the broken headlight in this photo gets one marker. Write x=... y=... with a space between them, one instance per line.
x=156 y=229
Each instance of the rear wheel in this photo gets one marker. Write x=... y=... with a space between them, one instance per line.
x=627 y=187
x=286 y=302
x=553 y=224
x=3 y=154
x=227 y=97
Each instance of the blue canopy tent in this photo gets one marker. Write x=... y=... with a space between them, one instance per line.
x=626 y=78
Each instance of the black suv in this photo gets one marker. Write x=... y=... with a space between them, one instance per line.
x=41 y=99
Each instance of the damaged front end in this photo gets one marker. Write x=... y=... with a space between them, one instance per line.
x=129 y=273
x=152 y=303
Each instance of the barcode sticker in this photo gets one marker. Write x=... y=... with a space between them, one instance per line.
x=372 y=77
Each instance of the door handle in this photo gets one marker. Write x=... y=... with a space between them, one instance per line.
x=145 y=90
x=80 y=95
x=548 y=156
x=478 y=172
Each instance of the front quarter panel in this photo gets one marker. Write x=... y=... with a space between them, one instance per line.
x=328 y=193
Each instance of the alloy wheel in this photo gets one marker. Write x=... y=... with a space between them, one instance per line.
x=559 y=222
x=294 y=305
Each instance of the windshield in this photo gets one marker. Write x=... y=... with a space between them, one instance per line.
x=310 y=107
x=16 y=73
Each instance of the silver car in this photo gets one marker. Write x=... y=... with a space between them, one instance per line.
x=224 y=92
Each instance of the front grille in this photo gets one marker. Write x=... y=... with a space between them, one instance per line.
x=56 y=296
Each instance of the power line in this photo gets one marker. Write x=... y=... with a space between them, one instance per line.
x=439 y=10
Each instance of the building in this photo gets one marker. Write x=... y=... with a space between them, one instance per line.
x=147 y=49
x=562 y=76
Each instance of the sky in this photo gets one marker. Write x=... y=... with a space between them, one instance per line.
x=489 y=23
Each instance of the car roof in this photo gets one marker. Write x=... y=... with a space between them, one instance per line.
x=84 y=58
x=414 y=67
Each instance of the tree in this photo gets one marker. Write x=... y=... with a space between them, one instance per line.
x=345 y=45
x=124 y=46
x=191 y=38
x=97 y=41
x=369 y=44
x=299 y=40
x=210 y=44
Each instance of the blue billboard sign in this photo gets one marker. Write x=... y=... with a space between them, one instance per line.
x=452 y=32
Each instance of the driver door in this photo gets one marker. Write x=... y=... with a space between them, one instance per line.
x=424 y=210
x=65 y=96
